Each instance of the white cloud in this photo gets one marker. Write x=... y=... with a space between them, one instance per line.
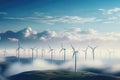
x=111 y=15
x=4 y=13
x=89 y=31
x=112 y=18
x=46 y=35
x=70 y=19
x=28 y=32
x=75 y=19
x=74 y=35
x=16 y=18
x=108 y=22
x=92 y=37
x=110 y=11
x=61 y=19
x=13 y=39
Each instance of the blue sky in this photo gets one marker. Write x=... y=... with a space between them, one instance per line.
x=101 y=15
x=86 y=22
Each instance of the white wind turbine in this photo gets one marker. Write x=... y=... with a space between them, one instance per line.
x=4 y=52
x=75 y=52
x=110 y=53
x=24 y=51
x=85 y=51
x=64 y=51
x=51 y=51
x=18 y=51
x=37 y=52
x=93 y=51
x=42 y=53
x=33 y=49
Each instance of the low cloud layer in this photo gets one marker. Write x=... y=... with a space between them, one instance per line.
x=74 y=35
x=36 y=65
x=107 y=68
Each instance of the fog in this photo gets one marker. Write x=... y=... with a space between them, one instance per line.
x=36 y=65
x=103 y=66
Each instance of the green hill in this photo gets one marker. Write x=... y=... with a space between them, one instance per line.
x=61 y=75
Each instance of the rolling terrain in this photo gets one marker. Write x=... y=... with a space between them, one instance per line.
x=61 y=75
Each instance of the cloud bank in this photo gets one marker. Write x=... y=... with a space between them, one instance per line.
x=36 y=65
x=103 y=66
x=110 y=11
x=73 y=35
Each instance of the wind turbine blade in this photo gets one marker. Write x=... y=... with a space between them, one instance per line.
x=73 y=55
x=90 y=47
x=95 y=47
x=73 y=48
x=49 y=46
x=17 y=49
x=60 y=50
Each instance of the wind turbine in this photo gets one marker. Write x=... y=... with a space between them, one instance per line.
x=64 y=51
x=37 y=52
x=24 y=51
x=51 y=51
x=85 y=51
x=75 y=52
x=93 y=51
x=18 y=51
x=5 y=52
x=42 y=51
x=32 y=54
x=110 y=53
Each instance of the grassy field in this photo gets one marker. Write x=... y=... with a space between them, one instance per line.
x=61 y=75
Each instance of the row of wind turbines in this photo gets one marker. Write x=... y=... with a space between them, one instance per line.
x=52 y=51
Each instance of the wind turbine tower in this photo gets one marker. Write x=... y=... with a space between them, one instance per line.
x=5 y=52
x=64 y=51
x=85 y=51
x=42 y=53
x=32 y=54
x=110 y=53
x=51 y=51
x=18 y=51
x=37 y=52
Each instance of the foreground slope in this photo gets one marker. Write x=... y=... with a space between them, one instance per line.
x=61 y=75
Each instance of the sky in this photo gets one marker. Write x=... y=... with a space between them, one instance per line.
x=102 y=15
x=80 y=21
